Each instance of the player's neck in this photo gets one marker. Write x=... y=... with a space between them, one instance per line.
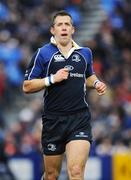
x=65 y=49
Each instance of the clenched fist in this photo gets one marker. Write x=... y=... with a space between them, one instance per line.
x=61 y=74
x=100 y=88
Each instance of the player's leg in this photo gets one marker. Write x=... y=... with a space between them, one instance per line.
x=52 y=146
x=52 y=166
x=77 y=152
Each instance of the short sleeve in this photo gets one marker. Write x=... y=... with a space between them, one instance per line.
x=35 y=67
x=89 y=59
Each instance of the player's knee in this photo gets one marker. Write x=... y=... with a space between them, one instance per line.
x=75 y=172
x=51 y=175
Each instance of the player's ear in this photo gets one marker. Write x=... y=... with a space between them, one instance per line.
x=73 y=30
x=52 y=30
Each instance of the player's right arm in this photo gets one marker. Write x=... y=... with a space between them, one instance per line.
x=35 y=85
x=35 y=76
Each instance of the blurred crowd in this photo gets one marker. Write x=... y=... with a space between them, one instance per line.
x=24 y=26
x=112 y=62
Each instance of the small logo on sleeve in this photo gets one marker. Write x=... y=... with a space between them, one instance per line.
x=26 y=73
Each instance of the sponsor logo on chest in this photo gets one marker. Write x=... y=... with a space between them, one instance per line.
x=58 y=58
x=69 y=67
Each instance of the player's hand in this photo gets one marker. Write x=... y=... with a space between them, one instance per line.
x=100 y=88
x=61 y=74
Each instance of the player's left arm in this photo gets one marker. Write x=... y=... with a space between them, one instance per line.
x=93 y=82
x=91 y=79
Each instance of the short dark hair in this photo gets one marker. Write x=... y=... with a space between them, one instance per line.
x=60 y=13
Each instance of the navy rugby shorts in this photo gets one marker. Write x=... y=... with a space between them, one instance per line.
x=57 y=131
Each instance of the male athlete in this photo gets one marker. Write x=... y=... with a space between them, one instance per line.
x=63 y=69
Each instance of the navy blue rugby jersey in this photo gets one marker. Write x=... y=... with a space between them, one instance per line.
x=67 y=96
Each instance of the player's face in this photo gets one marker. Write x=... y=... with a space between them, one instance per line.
x=62 y=29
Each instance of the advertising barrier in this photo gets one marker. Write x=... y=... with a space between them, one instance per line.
x=116 y=167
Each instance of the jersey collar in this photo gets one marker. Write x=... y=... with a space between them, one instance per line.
x=75 y=46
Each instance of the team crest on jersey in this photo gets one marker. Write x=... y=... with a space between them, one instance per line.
x=76 y=58
x=59 y=58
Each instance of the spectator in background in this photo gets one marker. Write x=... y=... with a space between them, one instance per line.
x=5 y=172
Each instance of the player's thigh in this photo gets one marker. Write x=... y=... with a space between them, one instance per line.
x=77 y=152
x=52 y=163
